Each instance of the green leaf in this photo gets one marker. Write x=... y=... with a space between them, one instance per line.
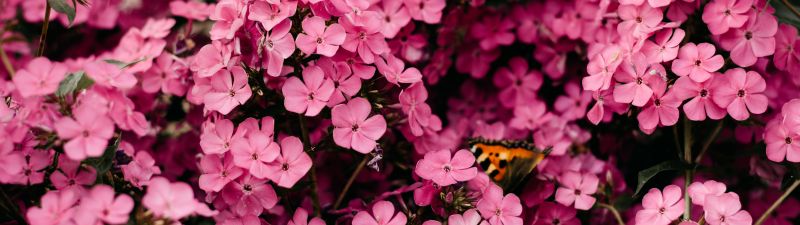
x=104 y=162
x=123 y=65
x=61 y=6
x=784 y=14
x=648 y=173
x=73 y=82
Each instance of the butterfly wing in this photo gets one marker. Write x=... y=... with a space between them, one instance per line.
x=506 y=163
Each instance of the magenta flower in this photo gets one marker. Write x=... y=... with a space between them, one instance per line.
x=254 y=154
x=249 y=195
x=228 y=90
x=168 y=76
x=665 y=47
x=636 y=76
x=229 y=18
x=270 y=14
x=499 y=209
x=345 y=83
x=310 y=95
x=429 y=11
x=577 y=188
x=395 y=72
x=72 y=175
x=721 y=15
x=699 y=190
x=555 y=214
x=701 y=94
x=412 y=102
x=396 y=16
x=443 y=170
x=88 y=132
x=301 y=218
x=382 y=214
x=663 y=109
x=57 y=207
x=518 y=84
x=661 y=208
x=530 y=116
x=638 y=21
x=109 y=75
x=741 y=93
x=170 y=200
x=291 y=165
x=41 y=77
x=352 y=128
x=725 y=209
x=141 y=169
x=697 y=61
x=317 y=38
x=217 y=172
x=787 y=51
x=279 y=45
x=100 y=206
x=757 y=39
x=212 y=58
x=218 y=137
x=601 y=69
x=365 y=40
x=782 y=141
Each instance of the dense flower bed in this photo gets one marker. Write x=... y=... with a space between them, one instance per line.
x=394 y=112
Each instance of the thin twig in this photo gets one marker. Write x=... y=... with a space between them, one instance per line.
x=313 y=171
x=791 y=8
x=350 y=182
x=613 y=211
x=709 y=141
x=687 y=156
x=43 y=37
x=6 y=61
x=777 y=202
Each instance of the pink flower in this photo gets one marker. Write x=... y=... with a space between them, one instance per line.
x=783 y=142
x=757 y=39
x=555 y=214
x=470 y=217
x=572 y=105
x=301 y=218
x=519 y=85
x=721 y=15
x=396 y=16
x=365 y=40
x=577 y=188
x=141 y=169
x=382 y=214
x=229 y=18
x=661 y=208
x=740 y=92
x=441 y=169
x=530 y=116
x=663 y=109
x=638 y=21
x=494 y=31
x=212 y=58
x=787 y=51
x=250 y=196
x=168 y=76
x=317 y=38
x=429 y=11
x=352 y=128
x=725 y=209
x=109 y=75
x=270 y=14
x=698 y=191
x=345 y=83
x=228 y=90
x=41 y=77
x=697 y=61
x=395 y=72
x=100 y=206
x=72 y=175
x=191 y=9
x=309 y=97
x=218 y=171
x=291 y=165
x=218 y=137
x=279 y=45
x=636 y=76
x=701 y=94
x=57 y=207
x=665 y=47
x=412 y=102
x=88 y=132
x=601 y=69
x=255 y=153
x=170 y=200
x=499 y=209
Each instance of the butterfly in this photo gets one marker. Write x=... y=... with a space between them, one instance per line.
x=506 y=162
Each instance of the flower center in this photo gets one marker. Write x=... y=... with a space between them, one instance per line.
x=697 y=62
x=657 y=102
x=319 y=40
x=85 y=133
x=362 y=35
x=727 y=12
x=748 y=35
x=310 y=96
x=232 y=93
x=639 y=19
x=270 y=44
x=447 y=168
x=639 y=80
x=254 y=156
x=740 y=93
x=355 y=128
x=497 y=212
x=662 y=210
x=556 y=221
x=71 y=182
x=285 y=167
x=703 y=93
x=788 y=140
x=247 y=188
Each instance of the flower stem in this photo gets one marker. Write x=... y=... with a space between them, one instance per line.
x=613 y=211
x=313 y=171
x=43 y=37
x=709 y=141
x=777 y=202
x=687 y=157
x=791 y=8
x=350 y=182
x=6 y=61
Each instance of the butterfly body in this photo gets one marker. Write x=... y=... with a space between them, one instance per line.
x=506 y=162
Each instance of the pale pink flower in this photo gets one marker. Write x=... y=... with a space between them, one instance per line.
x=228 y=90
x=109 y=75
x=601 y=69
x=57 y=207
x=229 y=18
x=396 y=16
x=725 y=209
x=661 y=208
x=395 y=72
x=318 y=38
x=168 y=76
x=291 y=165
x=382 y=214
x=345 y=83
x=499 y=209
x=141 y=169
x=218 y=171
x=638 y=21
x=697 y=61
x=352 y=127
x=443 y=170
x=701 y=94
x=412 y=102
x=309 y=96
x=636 y=75
x=783 y=142
x=664 y=47
x=699 y=190
x=365 y=40
x=279 y=45
x=249 y=195
x=662 y=109
x=741 y=93
x=721 y=15
x=41 y=77
x=212 y=58
x=254 y=153
x=270 y=14
x=756 y=39
x=170 y=200
x=100 y=206
x=577 y=188
x=88 y=133
x=191 y=9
